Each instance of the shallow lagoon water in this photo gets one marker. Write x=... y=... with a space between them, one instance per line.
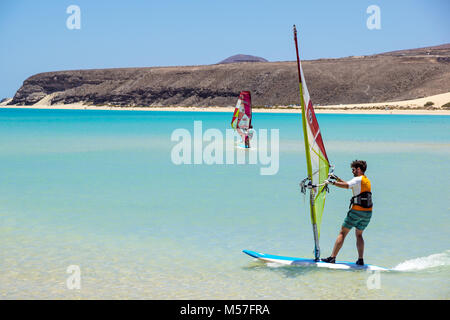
x=98 y=189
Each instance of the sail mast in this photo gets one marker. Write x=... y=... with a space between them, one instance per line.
x=308 y=156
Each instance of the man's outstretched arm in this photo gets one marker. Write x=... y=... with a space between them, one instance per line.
x=339 y=183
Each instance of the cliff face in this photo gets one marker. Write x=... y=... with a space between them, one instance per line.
x=391 y=76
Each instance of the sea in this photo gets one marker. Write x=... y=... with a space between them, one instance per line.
x=123 y=204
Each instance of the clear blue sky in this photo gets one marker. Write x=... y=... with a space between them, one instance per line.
x=34 y=37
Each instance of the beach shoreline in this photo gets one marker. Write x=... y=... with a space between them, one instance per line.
x=230 y=110
x=406 y=107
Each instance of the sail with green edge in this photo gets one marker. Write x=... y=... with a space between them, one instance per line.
x=317 y=162
x=243 y=108
x=235 y=118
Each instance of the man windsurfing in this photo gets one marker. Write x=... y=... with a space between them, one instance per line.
x=242 y=118
x=360 y=209
x=243 y=128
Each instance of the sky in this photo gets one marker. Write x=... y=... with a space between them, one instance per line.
x=35 y=38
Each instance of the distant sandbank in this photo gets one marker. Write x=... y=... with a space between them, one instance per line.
x=432 y=105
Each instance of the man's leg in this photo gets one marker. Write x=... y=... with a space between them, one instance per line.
x=241 y=134
x=359 y=243
x=340 y=241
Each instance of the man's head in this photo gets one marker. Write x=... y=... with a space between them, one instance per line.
x=358 y=167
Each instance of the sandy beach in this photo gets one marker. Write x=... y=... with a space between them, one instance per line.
x=416 y=106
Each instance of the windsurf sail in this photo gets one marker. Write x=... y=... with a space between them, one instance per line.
x=243 y=108
x=317 y=162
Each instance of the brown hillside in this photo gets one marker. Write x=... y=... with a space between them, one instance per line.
x=399 y=75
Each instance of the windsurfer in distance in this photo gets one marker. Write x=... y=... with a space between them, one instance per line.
x=243 y=128
x=360 y=209
x=242 y=118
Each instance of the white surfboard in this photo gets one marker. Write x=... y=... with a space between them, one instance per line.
x=343 y=265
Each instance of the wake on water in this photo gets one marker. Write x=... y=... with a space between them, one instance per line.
x=432 y=261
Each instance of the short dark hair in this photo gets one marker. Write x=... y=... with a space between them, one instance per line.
x=359 y=164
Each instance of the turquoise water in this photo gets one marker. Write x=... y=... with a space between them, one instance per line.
x=99 y=190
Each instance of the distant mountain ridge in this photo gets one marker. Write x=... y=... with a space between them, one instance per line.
x=242 y=58
x=442 y=49
x=394 y=76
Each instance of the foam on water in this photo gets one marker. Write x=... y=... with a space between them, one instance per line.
x=431 y=261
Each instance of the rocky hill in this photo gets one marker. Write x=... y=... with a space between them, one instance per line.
x=399 y=75
x=243 y=58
